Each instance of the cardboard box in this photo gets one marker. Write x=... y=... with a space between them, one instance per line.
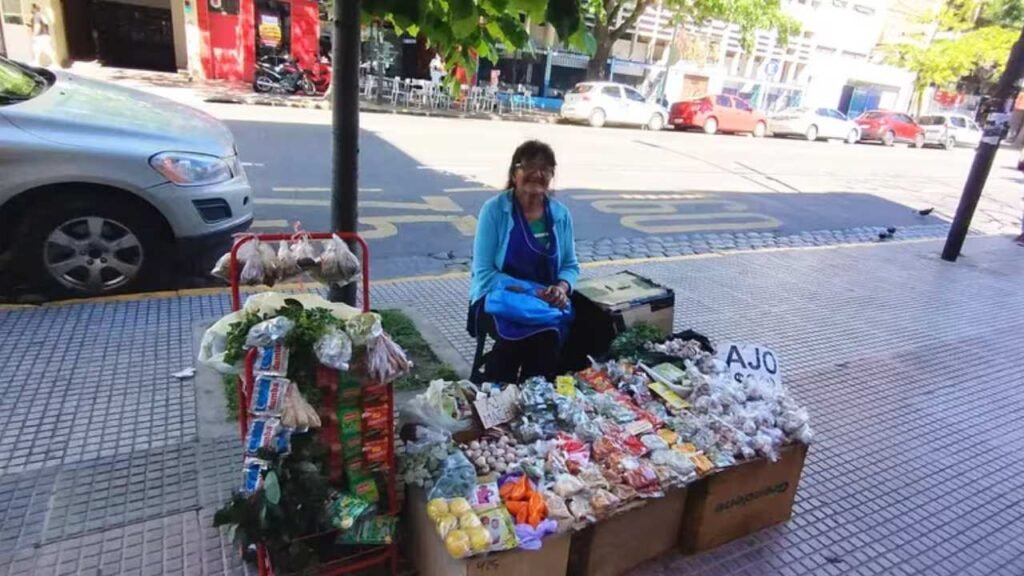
x=432 y=559
x=741 y=500
x=619 y=543
x=607 y=306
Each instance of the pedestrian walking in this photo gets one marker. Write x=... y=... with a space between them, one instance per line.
x=436 y=68
x=42 y=42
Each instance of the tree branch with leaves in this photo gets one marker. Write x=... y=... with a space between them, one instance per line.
x=750 y=15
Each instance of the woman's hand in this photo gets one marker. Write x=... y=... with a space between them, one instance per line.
x=556 y=295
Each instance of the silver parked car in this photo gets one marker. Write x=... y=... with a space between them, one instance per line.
x=105 y=188
x=814 y=124
x=950 y=130
x=600 y=103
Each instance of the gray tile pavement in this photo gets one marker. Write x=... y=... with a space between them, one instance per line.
x=909 y=365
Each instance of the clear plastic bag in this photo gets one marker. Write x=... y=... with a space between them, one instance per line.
x=437 y=407
x=214 y=344
x=385 y=360
x=334 y=349
x=457 y=480
x=287 y=262
x=268 y=332
x=364 y=327
x=338 y=265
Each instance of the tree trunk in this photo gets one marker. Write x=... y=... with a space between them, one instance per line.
x=597 y=67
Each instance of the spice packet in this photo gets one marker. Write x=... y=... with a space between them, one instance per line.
x=375 y=452
x=344 y=509
x=375 y=419
x=371 y=530
x=268 y=394
x=252 y=474
x=363 y=485
x=263 y=433
x=272 y=360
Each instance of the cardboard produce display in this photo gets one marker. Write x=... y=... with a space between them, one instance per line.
x=741 y=500
x=674 y=444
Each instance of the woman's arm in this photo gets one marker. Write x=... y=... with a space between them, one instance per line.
x=485 y=249
x=569 y=272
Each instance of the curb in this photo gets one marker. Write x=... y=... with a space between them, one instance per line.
x=224 y=290
x=309 y=103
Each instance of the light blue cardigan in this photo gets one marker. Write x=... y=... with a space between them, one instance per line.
x=491 y=244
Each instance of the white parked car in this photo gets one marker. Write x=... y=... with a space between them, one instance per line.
x=600 y=103
x=813 y=124
x=950 y=130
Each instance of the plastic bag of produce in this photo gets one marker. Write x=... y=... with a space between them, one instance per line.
x=297 y=412
x=530 y=537
x=334 y=349
x=287 y=263
x=458 y=477
x=268 y=332
x=385 y=360
x=438 y=407
x=214 y=343
x=267 y=303
x=246 y=252
x=338 y=265
x=261 y=267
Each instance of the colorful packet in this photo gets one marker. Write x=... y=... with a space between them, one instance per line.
x=375 y=419
x=639 y=427
x=262 y=434
x=272 y=360
x=350 y=423
x=596 y=379
x=674 y=401
x=344 y=509
x=375 y=452
x=363 y=485
x=500 y=526
x=371 y=530
x=268 y=393
x=566 y=386
x=252 y=475
x=350 y=390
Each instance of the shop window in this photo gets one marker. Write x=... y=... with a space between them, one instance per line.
x=12 y=11
x=273 y=28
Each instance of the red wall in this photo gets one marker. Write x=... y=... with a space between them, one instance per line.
x=229 y=42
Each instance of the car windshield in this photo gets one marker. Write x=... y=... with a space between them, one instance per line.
x=18 y=84
x=931 y=120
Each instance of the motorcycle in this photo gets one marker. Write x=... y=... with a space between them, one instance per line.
x=321 y=74
x=282 y=74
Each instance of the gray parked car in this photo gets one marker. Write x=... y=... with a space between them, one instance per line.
x=103 y=189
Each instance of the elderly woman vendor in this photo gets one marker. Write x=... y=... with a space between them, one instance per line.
x=524 y=234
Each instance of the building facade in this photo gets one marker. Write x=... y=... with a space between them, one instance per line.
x=213 y=39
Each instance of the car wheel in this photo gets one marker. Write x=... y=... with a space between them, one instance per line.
x=889 y=138
x=918 y=141
x=655 y=123
x=852 y=137
x=89 y=244
x=711 y=125
x=597 y=118
x=760 y=129
x=950 y=143
x=262 y=84
x=812 y=133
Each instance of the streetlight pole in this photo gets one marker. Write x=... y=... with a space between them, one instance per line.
x=345 y=117
x=991 y=137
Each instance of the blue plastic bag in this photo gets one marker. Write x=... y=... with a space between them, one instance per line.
x=517 y=301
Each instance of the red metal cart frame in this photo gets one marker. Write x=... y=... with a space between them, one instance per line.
x=371 y=555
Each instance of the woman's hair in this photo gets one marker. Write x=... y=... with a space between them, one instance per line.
x=531 y=150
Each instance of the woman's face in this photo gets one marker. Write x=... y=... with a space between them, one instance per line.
x=533 y=177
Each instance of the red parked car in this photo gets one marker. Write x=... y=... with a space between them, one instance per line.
x=721 y=113
x=889 y=128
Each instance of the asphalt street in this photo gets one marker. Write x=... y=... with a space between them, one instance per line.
x=423 y=180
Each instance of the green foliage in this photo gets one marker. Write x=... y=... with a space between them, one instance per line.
x=455 y=28
x=944 y=62
x=750 y=15
x=288 y=507
x=631 y=343
x=1005 y=13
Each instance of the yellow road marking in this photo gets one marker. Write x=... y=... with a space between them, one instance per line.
x=483 y=189
x=431 y=203
x=637 y=207
x=758 y=222
x=303 y=189
x=270 y=224
x=386 y=226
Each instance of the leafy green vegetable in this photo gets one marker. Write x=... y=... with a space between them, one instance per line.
x=630 y=343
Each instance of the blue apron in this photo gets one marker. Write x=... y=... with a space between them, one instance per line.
x=527 y=259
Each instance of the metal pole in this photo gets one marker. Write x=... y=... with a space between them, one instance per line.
x=991 y=137
x=345 y=108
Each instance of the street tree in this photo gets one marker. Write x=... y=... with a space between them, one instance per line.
x=462 y=30
x=970 y=47
x=750 y=15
